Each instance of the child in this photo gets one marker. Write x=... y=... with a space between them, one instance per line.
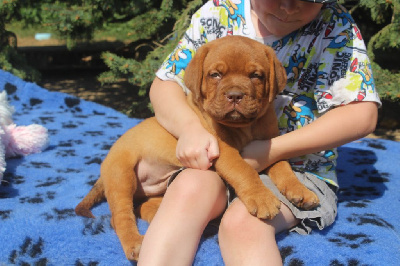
x=329 y=100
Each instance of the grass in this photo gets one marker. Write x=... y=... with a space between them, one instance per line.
x=23 y=31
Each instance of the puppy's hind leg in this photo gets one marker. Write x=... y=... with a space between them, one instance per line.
x=120 y=185
x=148 y=209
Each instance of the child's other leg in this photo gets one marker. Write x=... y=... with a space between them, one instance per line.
x=193 y=199
x=247 y=240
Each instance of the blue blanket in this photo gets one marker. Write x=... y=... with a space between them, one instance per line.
x=37 y=200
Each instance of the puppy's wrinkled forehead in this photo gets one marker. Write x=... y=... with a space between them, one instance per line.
x=236 y=56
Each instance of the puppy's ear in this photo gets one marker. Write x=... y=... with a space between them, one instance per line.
x=277 y=74
x=194 y=72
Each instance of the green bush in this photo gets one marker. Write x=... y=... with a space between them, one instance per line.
x=10 y=60
x=383 y=38
x=160 y=40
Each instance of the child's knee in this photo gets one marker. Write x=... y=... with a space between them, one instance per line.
x=238 y=220
x=234 y=220
x=194 y=185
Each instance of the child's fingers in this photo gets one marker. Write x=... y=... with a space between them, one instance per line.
x=213 y=150
x=194 y=157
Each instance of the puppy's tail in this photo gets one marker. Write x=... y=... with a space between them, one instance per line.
x=95 y=195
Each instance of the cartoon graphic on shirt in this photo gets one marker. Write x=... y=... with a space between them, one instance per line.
x=367 y=83
x=340 y=13
x=344 y=37
x=323 y=98
x=279 y=44
x=329 y=29
x=300 y=111
x=179 y=60
x=367 y=79
x=324 y=95
x=341 y=40
x=322 y=75
x=309 y=77
x=296 y=64
x=197 y=43
x=235 y=11
x=325 y=159
x=339 y=67
x=328 y=155
x=358 y=33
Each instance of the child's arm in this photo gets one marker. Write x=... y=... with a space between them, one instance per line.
x=196 y=148
x=335 y=128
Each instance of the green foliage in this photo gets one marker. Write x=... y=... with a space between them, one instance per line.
x=7 y=9
x=386 y=13
x=387 y=82
x=16 y=64
x=10 y=60
x=378 y=8
x=162 y=38
x=76 y=20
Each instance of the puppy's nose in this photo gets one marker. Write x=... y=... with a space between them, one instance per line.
x=234 y=96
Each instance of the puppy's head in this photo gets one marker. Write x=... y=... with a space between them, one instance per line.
x=234 y=79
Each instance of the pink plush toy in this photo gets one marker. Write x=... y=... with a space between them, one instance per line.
x=17 y=140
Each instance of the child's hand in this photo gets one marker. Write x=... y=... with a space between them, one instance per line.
x=197 y=148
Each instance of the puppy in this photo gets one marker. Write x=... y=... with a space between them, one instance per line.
x=233 y=82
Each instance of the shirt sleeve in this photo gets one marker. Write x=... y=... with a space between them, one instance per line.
x=173 y=67
x=344 y=72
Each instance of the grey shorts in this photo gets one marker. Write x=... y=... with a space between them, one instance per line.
x=320 y=217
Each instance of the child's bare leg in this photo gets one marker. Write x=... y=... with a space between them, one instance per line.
x=247 y=240
x=193 y=199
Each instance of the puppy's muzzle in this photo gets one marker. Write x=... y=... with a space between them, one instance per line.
x=234 y=96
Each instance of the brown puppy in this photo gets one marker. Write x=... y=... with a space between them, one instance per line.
x=233 y=82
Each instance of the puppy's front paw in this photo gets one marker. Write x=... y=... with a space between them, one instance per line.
x=301 y=196
x=132 y=248
x=261 y=202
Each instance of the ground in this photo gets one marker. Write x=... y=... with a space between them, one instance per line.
x=84 y=84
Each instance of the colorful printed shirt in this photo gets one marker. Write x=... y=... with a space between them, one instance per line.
x=325 y=61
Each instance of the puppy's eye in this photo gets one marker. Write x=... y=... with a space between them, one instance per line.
x=215 y=75
x=256 y=75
